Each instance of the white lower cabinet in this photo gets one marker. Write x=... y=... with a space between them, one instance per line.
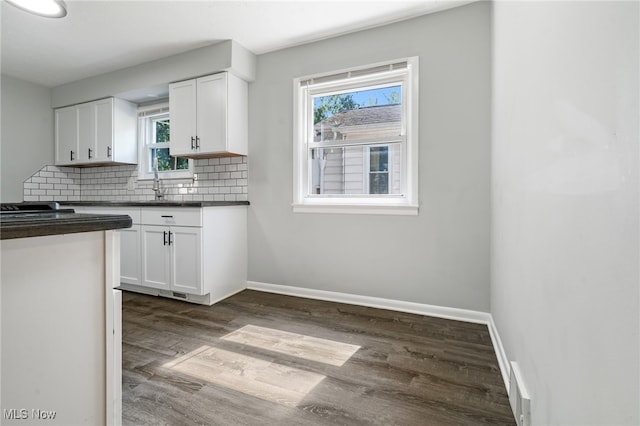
x=155 y=258
x=198 y=254
x=172 y=258
x=186 y=260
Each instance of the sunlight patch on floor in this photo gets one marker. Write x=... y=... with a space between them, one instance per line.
x=261 y=378
x=298 y=345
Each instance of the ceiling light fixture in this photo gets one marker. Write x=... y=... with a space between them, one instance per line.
x=46 y=8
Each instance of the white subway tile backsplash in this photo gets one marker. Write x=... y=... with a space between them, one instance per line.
x=219 y=179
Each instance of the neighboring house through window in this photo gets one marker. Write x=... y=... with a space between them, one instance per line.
x=355 y=141
x=154 y=123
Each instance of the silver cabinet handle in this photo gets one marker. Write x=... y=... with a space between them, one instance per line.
x=71 y=154
x=192 y=142
x=90 y=153
x=197 y=142
x=109 y=151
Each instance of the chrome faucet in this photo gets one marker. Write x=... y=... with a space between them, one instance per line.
x=159 y=192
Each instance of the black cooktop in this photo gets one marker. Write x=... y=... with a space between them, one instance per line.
x=31 y=209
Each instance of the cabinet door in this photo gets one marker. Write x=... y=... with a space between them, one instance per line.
x=86 y=132
x=155 y=257
x=66 y=135
x=130 y=255
x=212 y=113
x=186 y=262
x=182 y=104
x=104 y=129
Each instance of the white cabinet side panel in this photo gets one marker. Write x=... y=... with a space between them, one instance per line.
x=53 y=328
x=225 y=250
x=212 y=113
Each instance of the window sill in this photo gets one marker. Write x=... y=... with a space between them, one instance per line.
x=187 y=176
x=378 y=209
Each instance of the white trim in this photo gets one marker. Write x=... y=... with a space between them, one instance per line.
x=374 y=302
x=456 y=314
x=503 y=361
x=146 y=114
x=392 y=209
x=360 y=70
x=408 y=77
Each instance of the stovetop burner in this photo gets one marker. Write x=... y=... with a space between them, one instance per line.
x=29 y=206
x=32 y=208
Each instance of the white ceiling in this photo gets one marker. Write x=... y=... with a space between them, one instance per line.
x=100 y=36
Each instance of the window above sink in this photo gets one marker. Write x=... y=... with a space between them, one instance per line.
x=154 y=123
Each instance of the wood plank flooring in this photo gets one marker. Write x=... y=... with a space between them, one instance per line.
x=264 y=359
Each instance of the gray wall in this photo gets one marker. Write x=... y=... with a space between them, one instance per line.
x=27 y=134
x=440 y=257
x=134 y=83
x=565 y=292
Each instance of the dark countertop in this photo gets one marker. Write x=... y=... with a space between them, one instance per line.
x=59 y=223
x=154 y=203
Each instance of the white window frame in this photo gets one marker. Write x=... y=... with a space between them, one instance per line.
x=305 y=88
x=146 y=116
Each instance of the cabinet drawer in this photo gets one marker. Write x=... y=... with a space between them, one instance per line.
x=172 y=216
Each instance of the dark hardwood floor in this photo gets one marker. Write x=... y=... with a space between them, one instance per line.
x=264 y=359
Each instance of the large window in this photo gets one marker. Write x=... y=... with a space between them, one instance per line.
x=154 y=124
x=355 y=140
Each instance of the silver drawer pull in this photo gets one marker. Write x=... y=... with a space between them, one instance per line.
x=166 y=216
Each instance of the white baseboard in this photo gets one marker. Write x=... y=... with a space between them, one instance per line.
x=374 y=302
x=503 y=361
x=400 y=306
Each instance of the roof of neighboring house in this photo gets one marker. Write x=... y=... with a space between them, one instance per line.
x=377 y=114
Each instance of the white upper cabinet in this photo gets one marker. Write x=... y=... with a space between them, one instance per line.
x=98 y=132
x=209 y=116
x=66 y=135
x=86 y=132
x=182 y=107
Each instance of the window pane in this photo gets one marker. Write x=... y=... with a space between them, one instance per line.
x=166 y=162
x=356 y=170
x=379 y=159
x=378 y=170
x=161 y=130
x=369 y=113
x=182 y=163
x=379 y=183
